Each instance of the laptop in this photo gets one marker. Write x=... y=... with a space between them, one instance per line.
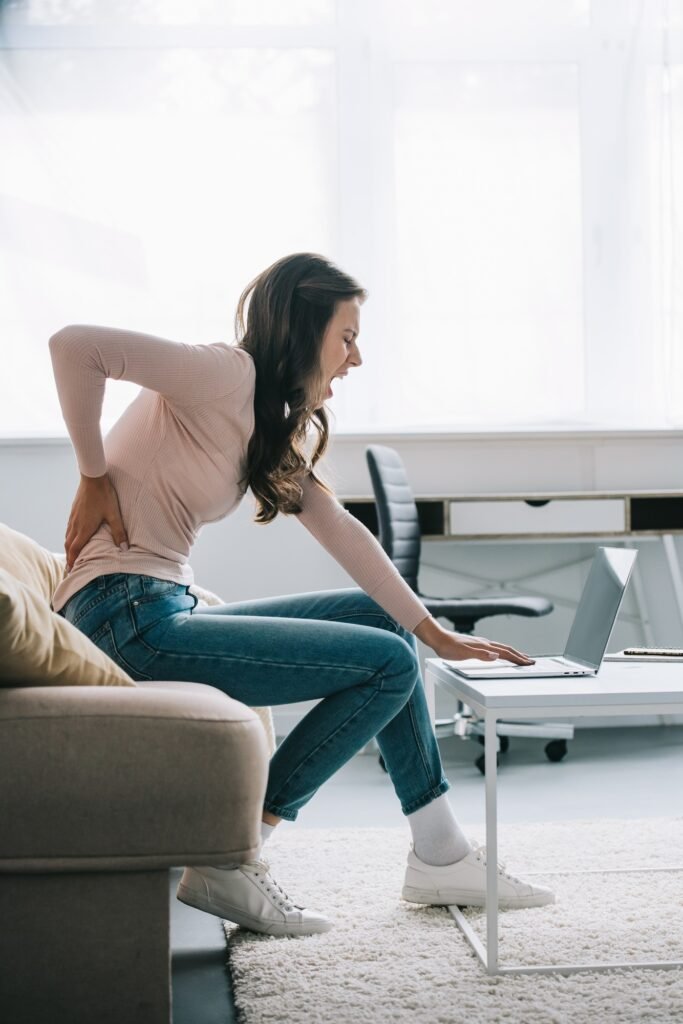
x=594 y=620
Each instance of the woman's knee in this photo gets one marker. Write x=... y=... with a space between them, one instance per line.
x=365 y=604
x=402 y=669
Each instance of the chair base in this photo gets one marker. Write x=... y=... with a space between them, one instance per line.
x=467 y=726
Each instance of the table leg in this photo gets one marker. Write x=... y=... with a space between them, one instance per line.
x=674 y=571
x=641 y=601
x=430 y=695
x=490 y=759
x=488 y=955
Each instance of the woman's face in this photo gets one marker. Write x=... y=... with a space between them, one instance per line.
x=339 y=350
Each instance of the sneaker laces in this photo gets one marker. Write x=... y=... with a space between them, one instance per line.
x=261 y=871
x=479 y=852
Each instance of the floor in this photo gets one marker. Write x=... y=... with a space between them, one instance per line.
x=618 y=773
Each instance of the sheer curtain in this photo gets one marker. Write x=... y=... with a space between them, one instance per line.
x=665 y=95
x=501 y=174
x=146 y=178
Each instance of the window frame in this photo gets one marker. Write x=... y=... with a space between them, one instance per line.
x=622 y=341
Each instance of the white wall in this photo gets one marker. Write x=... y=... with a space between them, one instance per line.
x=238 y=560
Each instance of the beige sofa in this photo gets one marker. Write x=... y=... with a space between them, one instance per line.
x=103 y=788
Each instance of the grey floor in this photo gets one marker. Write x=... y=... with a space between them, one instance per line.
x=617 y=773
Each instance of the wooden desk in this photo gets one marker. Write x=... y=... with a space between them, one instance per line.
x=600 y=516
x=544 y=515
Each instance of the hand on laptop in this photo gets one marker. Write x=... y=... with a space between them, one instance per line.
x=488 y=650
x=460 y=646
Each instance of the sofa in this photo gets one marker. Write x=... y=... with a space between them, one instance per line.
x=105 y=784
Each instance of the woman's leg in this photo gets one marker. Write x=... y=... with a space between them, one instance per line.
x=407 y=741
x=276 y=651
x=442 y=868
x=263 y=653
x=155 y=631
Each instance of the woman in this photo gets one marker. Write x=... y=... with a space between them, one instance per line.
x=210 y=421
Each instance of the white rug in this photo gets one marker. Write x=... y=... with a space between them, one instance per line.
x=391 y=961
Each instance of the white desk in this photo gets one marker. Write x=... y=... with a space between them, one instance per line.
x=618 y=689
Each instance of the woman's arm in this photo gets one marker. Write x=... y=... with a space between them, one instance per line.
x=357 y=551
x=83 y=357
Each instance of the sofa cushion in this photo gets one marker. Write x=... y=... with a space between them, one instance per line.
x=205 y=599
x=104 y=779
x=43 y=570
x=29 y=562
x=40 y=648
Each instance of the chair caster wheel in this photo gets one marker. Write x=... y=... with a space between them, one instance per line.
x=503 y=740
x=556 y=750
x=381 y=763
x=481 y=763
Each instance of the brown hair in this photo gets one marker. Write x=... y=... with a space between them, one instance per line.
x=290 y=305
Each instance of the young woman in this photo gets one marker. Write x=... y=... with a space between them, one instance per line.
x=210 y=422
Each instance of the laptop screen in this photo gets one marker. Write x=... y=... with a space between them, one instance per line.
x=599 y=605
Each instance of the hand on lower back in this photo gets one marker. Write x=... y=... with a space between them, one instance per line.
x=96 y=502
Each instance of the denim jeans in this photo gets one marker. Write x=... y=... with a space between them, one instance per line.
x=338 y=647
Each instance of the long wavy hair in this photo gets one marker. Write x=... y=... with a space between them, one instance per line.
x=280 y=321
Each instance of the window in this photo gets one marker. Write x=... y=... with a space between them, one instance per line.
x=488 y=255
x=501 y=174
x=144 y=185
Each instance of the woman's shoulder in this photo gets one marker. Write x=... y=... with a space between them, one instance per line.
x=235 y=355
x=234 y=367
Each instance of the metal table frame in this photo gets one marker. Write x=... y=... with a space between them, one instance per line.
x=490 y=705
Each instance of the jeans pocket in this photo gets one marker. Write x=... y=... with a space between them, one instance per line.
x=105 y=640
x=88 y=600
x=152 y=589
x=152 y=616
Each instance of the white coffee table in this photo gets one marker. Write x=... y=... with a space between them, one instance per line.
x=619 y=689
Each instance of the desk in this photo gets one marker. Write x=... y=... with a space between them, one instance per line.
x=618 y=689
x=600 y=516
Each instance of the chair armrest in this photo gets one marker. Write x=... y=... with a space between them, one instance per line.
x=109 y=778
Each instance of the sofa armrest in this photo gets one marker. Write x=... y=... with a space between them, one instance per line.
x=108 y=778
x=205 y=599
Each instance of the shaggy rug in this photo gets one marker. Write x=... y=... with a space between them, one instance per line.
x=391 y=961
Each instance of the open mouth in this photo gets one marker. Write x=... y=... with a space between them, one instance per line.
x=330 y=393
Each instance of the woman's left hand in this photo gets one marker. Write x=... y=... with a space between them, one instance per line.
x=459 y=646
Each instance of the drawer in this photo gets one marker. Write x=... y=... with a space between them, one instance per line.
x=519 y=518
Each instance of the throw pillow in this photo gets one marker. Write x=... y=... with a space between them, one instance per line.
x=28 y=562
x=40 y=648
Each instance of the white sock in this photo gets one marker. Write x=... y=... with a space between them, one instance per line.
x=437 y=836
x=266 y=832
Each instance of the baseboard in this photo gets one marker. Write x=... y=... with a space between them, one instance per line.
x=287 y=716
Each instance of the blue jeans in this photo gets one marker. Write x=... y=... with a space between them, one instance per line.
x=337 y=646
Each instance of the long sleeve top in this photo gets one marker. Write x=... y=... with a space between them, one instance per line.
x=176 y=457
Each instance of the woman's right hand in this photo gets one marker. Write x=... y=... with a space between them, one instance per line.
x=96 y=502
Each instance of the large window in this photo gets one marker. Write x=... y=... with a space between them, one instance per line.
x=503 y=175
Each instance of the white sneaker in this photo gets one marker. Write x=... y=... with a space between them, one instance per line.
x=249 y=896
x=464 y=884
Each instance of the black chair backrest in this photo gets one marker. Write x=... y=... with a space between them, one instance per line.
x=399 y=526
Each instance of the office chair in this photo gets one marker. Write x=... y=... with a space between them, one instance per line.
x=400 y=536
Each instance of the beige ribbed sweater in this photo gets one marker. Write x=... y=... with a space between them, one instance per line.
x=176 y=455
